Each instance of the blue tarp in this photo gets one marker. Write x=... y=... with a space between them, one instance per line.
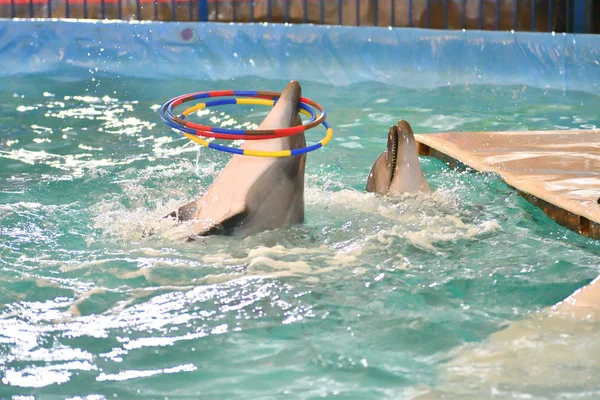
x=416 y=58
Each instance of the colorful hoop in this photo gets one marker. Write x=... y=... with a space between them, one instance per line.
x=192 y=131
x=208 y=131
x=304 y=109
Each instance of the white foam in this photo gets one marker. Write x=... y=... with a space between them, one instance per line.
x=423 y=218
x=544 y=354
x=376 y=225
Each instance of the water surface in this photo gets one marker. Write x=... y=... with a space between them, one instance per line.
x=370 y=298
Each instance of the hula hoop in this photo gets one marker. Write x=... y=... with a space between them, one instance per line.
x=229 y=136
x=209 y=131
x=192 y=131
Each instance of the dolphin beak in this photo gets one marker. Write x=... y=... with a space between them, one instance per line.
x=391 y=154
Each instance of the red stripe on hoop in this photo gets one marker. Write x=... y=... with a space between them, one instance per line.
x=227 y=136
x=308 y=101
x=197 y=127
x=220 y=93
x=181 y=99
x=292 y=131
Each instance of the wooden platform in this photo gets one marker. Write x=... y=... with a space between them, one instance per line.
x=559 y=171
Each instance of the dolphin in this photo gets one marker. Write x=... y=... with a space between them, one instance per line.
x=253 y=194
x=398 y=170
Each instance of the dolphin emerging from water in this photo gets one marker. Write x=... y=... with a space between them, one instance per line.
x=398 y=169
x=254 y=194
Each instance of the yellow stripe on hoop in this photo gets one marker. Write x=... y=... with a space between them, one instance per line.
x=255 y=153
x=303 y=111
x=197 y=107
x=255 y=101
x=328 y=136
x=196 y=139
x=259 y=153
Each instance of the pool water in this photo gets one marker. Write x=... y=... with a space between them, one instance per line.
x=370 y=298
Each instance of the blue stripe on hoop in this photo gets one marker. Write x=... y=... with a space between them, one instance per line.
x=303 y=106
x=172 y=124
x=201 y=95
x=221 y=102
x=315 y=146
x=225 y=148
x=310 y=111
x=229 y=131
x=324 y=114
x=248 y=93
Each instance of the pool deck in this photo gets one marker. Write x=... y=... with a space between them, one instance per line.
x=558 y=171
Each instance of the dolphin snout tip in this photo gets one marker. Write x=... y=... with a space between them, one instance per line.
x=404 y=125
x=293 y=85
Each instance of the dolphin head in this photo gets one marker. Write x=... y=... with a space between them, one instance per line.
x=284 y=114
x=285 y=111
x=398 y=170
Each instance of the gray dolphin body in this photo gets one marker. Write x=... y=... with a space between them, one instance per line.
x=398 y=169
x=254 y=194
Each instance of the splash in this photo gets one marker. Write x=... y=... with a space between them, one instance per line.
x=423 y=219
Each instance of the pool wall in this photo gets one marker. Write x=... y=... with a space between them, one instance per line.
x=408 y=57
x=576 y=16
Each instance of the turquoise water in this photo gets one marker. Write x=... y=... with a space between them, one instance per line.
x=370 y=298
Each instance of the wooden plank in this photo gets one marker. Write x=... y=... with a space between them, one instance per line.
x=558 y=171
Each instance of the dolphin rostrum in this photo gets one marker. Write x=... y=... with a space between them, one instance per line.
x=398 y=169
x=254 y=194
